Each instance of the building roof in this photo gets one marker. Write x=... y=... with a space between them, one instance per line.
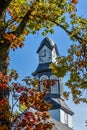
x=58 y=103
x=46 y=41
x=49 y=43
x=63 y=105
x=41 y=68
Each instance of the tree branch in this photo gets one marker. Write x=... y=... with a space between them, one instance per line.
x=24 y=21
x=68 y=32
x=79 y=39
x=3 y=5
x=10 y=22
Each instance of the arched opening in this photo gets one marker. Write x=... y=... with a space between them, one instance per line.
x=43 y=77
x=54 y=89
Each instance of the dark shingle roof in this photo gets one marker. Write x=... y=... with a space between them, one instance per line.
x=46 y=41
x=49 y=43
x=58 y=103
x=41 y=68
x=63 y=105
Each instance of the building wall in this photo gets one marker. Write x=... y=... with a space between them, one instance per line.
x=66 y=118
x=62 y=116
x=55 y=114
x=54 y=55
x=69 y=120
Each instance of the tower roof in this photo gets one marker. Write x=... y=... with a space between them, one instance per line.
x=49 y=43
x=58 y=103
x=41 y=68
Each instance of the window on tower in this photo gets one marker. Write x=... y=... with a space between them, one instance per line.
x=54 y=89
x=43 y=77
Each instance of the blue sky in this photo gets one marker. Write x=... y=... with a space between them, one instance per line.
x=25 y=61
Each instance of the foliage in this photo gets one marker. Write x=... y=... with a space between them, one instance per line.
x=28 y=98
x=19 y=18
x=4 y=113
x=4 y=127
x=25 y=17
x=3 y=81
x=75 y=64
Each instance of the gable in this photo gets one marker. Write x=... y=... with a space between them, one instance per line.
x=46 y=42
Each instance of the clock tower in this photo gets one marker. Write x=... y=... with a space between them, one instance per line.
x=47 y=53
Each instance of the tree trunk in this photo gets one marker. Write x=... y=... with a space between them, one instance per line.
x=4 y=57
x=3 y=5
x=4 y=61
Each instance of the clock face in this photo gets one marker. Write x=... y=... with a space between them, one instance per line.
x=45 y=55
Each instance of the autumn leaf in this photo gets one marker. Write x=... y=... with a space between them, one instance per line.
x=74 y=1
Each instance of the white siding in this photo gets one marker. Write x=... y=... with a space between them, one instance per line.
x=69 y=120
x=62 y=116
x=54 y=55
